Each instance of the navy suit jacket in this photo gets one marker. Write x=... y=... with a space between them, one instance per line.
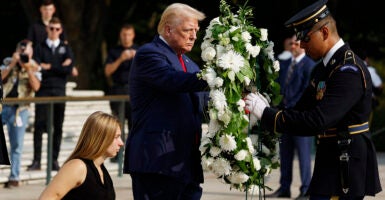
x=298 y=82
x=166 y=114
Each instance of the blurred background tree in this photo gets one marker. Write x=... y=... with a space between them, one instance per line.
x=93 y=25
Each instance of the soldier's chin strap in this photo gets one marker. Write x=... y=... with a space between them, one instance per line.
x=343 y=144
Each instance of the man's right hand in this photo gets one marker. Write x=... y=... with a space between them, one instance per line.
x=256 y=104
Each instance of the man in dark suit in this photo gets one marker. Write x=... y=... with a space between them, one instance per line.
x=335 y=107
x=162 y=150
x=294 y=77
x=56 y=60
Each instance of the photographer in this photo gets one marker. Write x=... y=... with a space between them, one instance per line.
x=21 y=78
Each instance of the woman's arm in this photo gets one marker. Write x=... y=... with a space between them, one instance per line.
x=71 y=175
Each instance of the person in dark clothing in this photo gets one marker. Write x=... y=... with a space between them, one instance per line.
x=83 y=175
x=162 y=150
x=37 y=31
x=117 y=69
x=56 y=61
x=294 y=77
x=335 y=108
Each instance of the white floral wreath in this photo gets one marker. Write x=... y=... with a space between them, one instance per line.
x=238 y=57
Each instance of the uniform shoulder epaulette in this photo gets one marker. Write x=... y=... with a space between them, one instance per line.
x=349 y=58
x=350 y=64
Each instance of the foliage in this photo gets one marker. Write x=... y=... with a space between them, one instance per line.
x=238 y=58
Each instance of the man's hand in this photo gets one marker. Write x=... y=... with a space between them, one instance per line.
x=67 y=62
x=256 y=104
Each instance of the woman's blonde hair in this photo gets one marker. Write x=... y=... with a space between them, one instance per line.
x=174 y=14
x=97 y=134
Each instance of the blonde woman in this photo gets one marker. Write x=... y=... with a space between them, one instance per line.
x=83 y=175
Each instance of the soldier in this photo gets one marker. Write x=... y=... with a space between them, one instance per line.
x=335 y=107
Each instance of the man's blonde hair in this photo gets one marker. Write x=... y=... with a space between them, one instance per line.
x=174 y=14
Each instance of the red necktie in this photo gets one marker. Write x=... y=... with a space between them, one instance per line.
x=182 y=62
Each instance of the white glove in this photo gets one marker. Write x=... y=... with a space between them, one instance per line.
x=256 y=104
x=253 y=120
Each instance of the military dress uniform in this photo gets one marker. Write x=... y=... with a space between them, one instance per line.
x=336 y=108
x=337 y=100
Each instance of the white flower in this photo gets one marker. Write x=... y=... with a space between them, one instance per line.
x=208 y=54
x=219 y=99
x=246 y=36
x=215 y=151
x=210 y=77
x=241 y=105
x=224 y=116
x=257 y=163
x=207 y=163
x=233 y=51
x=231 y=60
x=269 y=51
x=213 y=128
x=206 y=43
x=250 y=145
x=214 y=21
x=220 y=50
x=204 y=142
x=218 y=82
x=221 y=166
x=228 y=142
x=241 y=155
x=208 y=33
x=263 y=34
x=233 y=28
x=276 y=66
x=253 y=50
x=238 y=177
x=224 y=39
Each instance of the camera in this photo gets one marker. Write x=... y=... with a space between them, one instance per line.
x=24 y=58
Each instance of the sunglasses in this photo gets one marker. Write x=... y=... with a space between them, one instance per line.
x=306 y=37
x=54 y=28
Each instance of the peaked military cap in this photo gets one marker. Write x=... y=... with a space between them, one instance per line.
x=305 y=19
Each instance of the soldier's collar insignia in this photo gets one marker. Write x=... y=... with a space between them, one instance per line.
x=332 y=61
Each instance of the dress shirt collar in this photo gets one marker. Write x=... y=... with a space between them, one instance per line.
x=53 y=43
x=299 y=57
x=331 y=52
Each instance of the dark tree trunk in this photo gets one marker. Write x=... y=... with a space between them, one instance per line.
x=84 y=22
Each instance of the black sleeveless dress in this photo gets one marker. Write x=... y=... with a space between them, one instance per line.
x=92 y=187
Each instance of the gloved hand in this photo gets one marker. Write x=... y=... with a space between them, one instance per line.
x=253 y=120
x=256 y=104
